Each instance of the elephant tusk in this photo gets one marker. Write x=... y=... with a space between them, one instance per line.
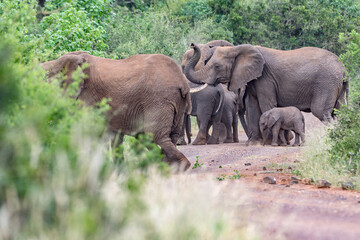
x=198 y=89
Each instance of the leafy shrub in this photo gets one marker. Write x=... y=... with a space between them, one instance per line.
x=133 y=33
x=291 y=24
x=344 y=138
x=72 y=30
x=196 y=10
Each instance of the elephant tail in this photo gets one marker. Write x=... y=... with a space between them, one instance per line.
x=344 y=94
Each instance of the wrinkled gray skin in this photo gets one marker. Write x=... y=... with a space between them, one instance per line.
x=229 y=118
x=155 y=103
x=309 y=78
x=207 y=106
x=277 y=120
x=207 y=51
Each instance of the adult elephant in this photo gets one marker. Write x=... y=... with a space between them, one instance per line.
x=311 y=79
x=148 y=93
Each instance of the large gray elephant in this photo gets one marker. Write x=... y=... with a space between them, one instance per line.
x=311 y=79
x=277 y=120
x=148 y=93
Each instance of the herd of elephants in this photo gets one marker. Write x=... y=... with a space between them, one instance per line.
x=218 y=83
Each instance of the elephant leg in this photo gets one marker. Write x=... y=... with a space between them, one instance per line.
x=235 y=124
x=302 y=136
x=283 y=141
x=181 y=140
x=227 y=120
x=215 y=136
x=297 y=139
x=203 y=121
x=275 y=132
x=166 y=134
x=300 y=129
x=322 y=106
x=253 y=114
x=208 y=130
x=173 y=156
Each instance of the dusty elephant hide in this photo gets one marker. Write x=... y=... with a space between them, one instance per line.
x=148 y=94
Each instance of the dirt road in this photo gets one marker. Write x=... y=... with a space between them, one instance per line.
x=289 y=211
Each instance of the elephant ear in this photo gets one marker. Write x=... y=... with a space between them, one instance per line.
x=273 y=117
x=248 y=65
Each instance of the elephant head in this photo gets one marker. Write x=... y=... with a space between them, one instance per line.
x=67 y=63
x=207 y=51
x=267 y=121
x=235 y=65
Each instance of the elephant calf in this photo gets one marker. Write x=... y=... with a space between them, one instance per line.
x=277 y=120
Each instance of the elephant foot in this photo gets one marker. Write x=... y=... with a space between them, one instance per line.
x=252 y=142
x=213 y=141
x=181 y=166
x=236 y=140
x=296 y=145
x=228 y=140
x=283 y=144
x=199 y=142
x=274 y=144
x=181 y=141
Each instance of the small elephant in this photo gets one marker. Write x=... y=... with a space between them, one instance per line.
x=228 y=117
x=207 y=105
x=277 y=120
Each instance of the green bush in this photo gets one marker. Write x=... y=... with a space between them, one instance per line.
x=72 y=30
x=344 y=138
x=291 y=24
x=133 y=33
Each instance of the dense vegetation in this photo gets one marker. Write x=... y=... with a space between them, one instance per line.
x=55 y=160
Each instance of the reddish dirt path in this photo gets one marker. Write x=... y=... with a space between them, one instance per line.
x=297 y=211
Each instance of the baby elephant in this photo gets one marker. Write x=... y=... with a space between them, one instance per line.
x=277 y=120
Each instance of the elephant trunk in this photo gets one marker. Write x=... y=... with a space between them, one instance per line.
x=189 y=70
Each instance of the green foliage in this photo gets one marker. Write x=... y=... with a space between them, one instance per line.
x=151 y=32
x=197 y=164
x=196 y=10
x=344 y=137
x=236 y=176
x=72 y=30
x=97 y=10
x=291 y=24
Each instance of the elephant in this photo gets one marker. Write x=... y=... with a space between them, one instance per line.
x=148 y=93
x=277 y=120
x=207 y=105
x=309 y=78
x=228 y=116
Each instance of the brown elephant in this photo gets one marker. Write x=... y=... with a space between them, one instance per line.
x=148 y=93
x=311 y=79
